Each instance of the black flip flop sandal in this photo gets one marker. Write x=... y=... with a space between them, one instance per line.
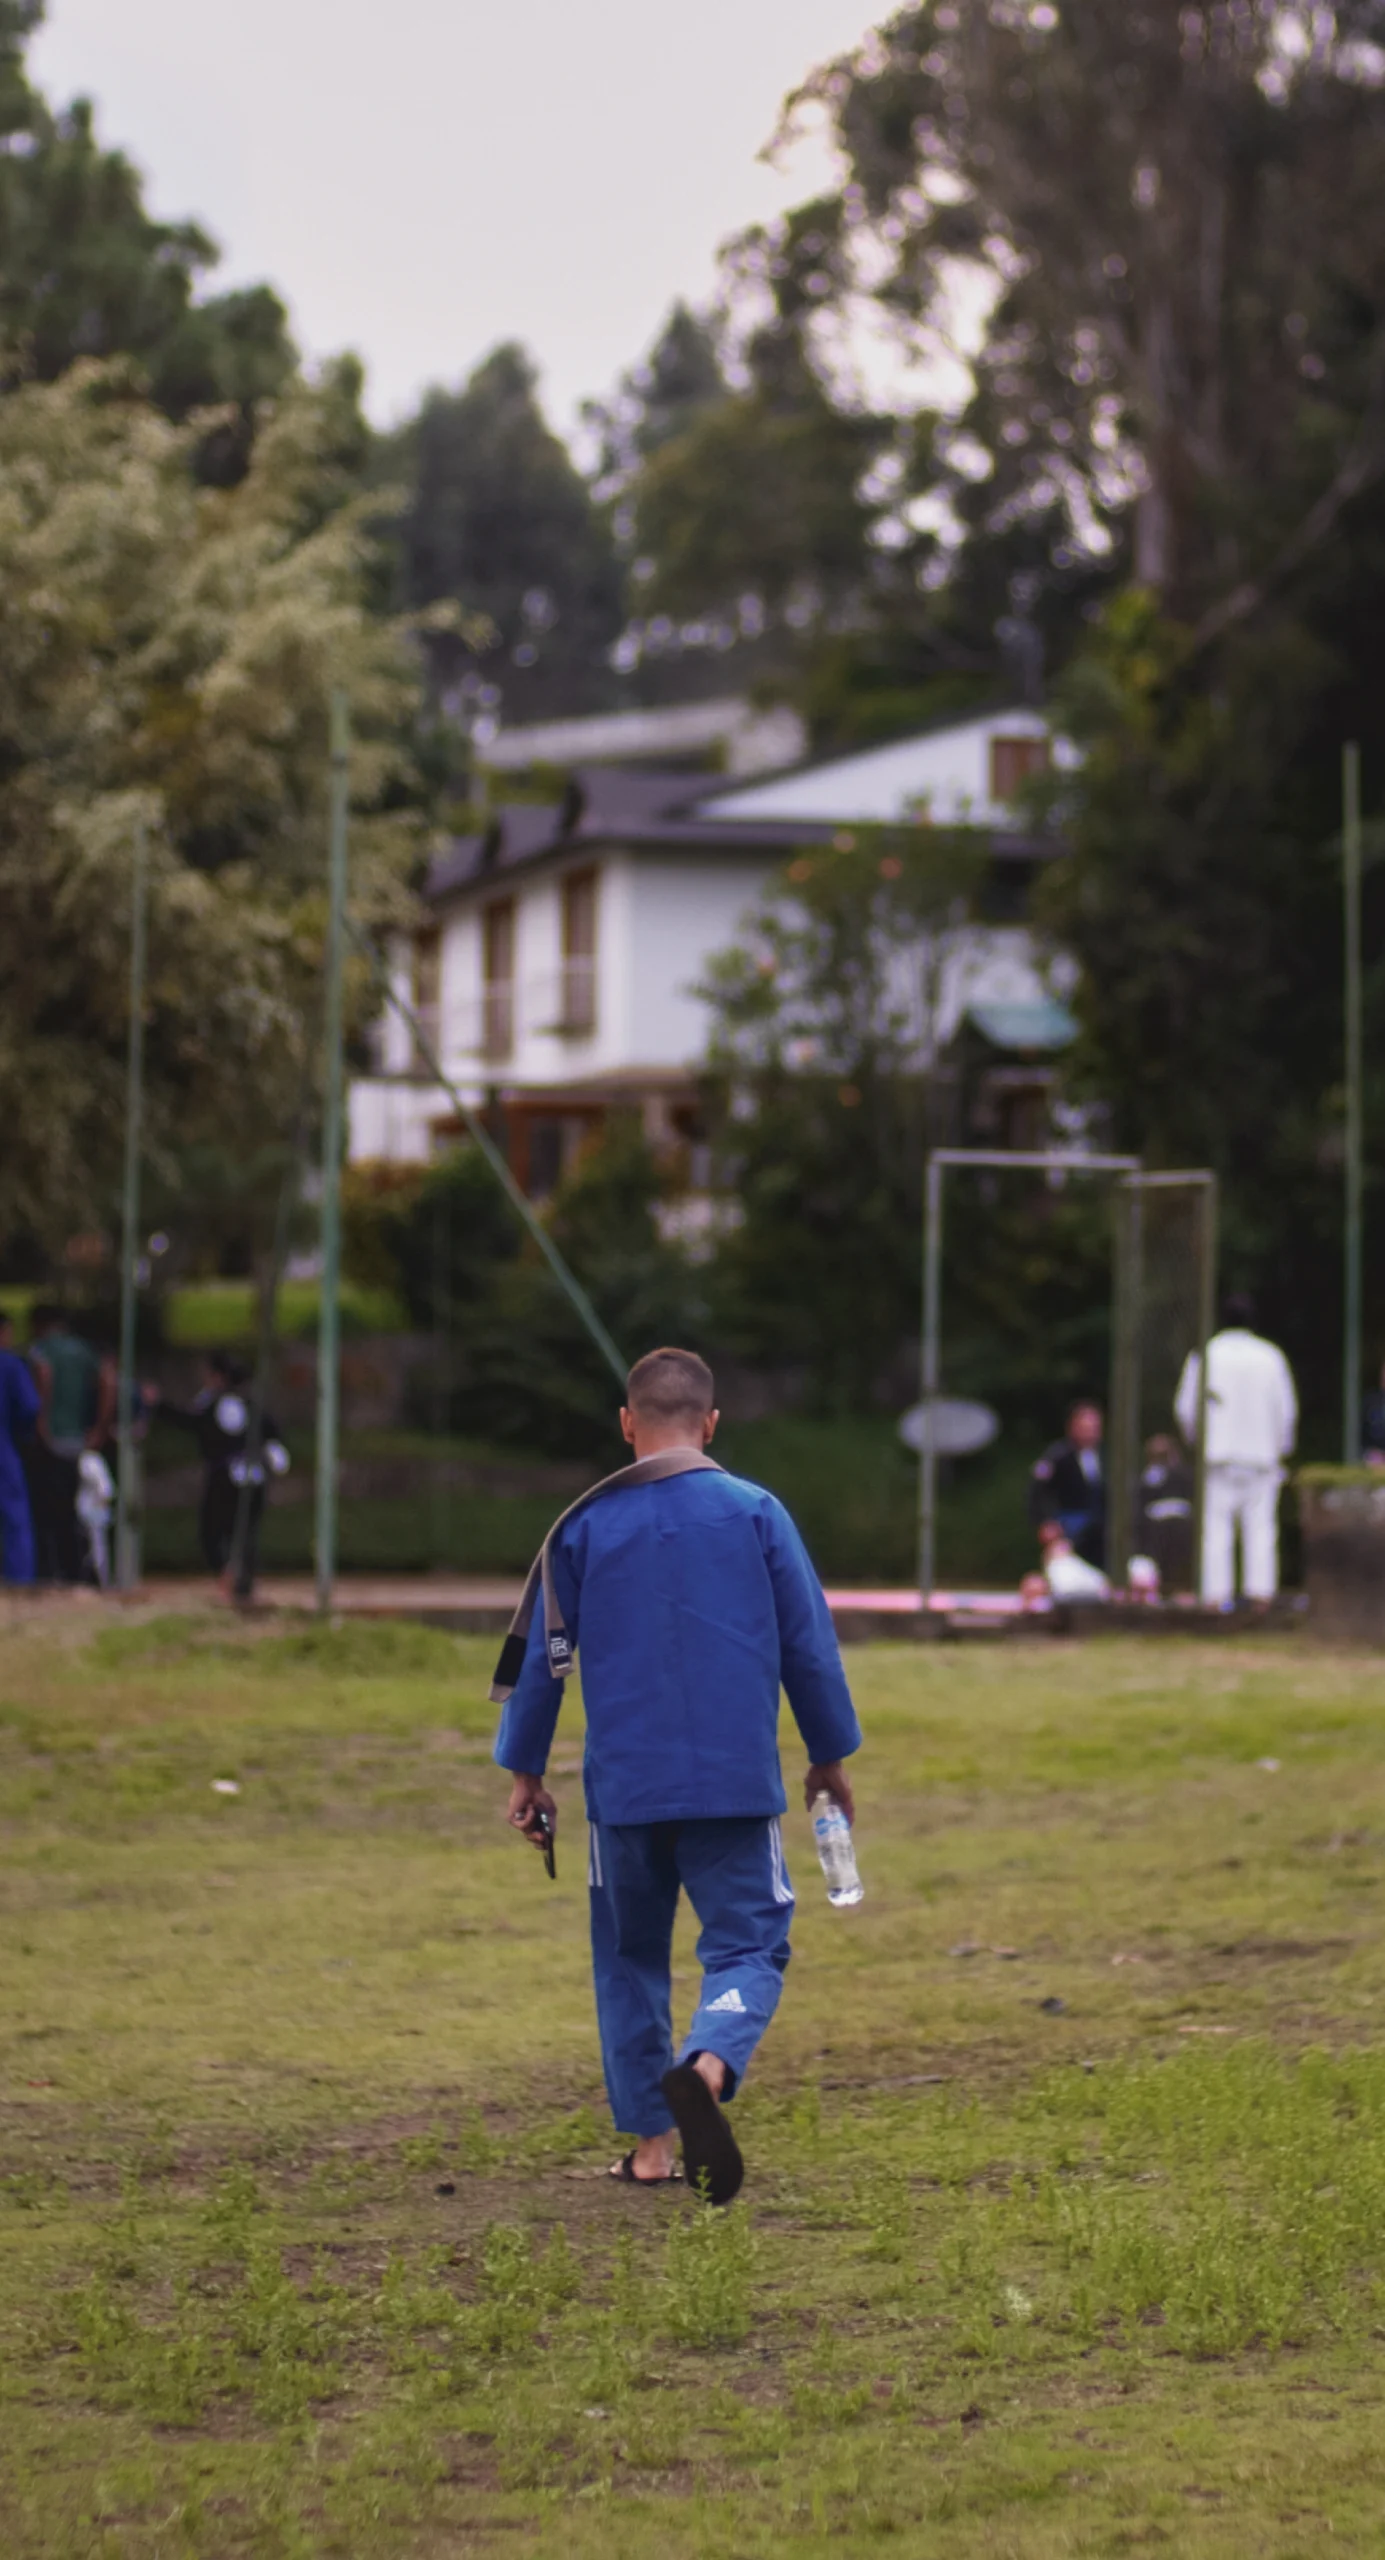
x=712 y=2162
x=624 y=2174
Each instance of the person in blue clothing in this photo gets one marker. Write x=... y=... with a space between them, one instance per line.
x=19 y=1406
x=692 y=1598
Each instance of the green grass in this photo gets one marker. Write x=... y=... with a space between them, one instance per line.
x=205 y=1313
x=305 y=2243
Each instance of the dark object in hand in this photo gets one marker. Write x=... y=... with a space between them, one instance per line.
x=544 y=1830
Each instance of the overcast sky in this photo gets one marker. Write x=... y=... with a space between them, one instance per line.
x=421 y=178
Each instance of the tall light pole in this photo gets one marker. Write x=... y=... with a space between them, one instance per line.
x=329 y=1325
x=1355 y=1143
x=127 y=1461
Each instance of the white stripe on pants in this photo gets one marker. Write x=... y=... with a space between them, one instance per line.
x=1248 y=1496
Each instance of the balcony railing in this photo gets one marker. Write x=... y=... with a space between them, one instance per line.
x=563 y=1001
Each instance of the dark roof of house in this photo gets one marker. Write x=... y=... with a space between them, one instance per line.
x=606 y=804
x=601 y=805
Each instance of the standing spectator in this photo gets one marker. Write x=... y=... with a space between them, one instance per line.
x=239 y=1451
x=1252 y=1423
x=71 y=1419
x=18 y=1414
x=1069 y=1485
x=95 y=1504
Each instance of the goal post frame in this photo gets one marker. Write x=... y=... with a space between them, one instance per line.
x=1132 y=1181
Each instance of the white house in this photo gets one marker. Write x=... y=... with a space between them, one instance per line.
x=559 y=976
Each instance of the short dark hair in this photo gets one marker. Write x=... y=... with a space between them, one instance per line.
x=223 y=1366
x=44 y=1315
x=670 y=1386
x=1239 y=1309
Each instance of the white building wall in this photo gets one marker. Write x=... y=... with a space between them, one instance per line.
x=684 y=912
x=947 y=773
x=659 y=919
x=391 y=1122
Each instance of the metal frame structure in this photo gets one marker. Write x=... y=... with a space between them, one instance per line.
x=1124 y=1416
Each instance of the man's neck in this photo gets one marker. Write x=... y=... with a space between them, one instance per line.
x=652 y=1442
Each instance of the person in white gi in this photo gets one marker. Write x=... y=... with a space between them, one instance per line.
x=1252 y=1422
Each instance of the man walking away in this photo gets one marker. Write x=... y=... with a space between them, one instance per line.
x=692 y=1597
x=19 y=1404
x=1069 y=1485
x=1252 y=1423
x=68 y=1376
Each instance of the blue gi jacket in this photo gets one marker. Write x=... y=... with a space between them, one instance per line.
x=19 y=1403
x=692 y=1600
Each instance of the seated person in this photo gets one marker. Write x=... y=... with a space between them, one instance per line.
x=1164 y=1526
x=1067 y=1573
x=1069 y=1485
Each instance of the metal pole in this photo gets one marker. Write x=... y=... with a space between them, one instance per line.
x=1351 y=889
x=932 y=1316
x=1207 y=1319
x=127 y=1558
x=1122 y=1397
x=329 y=1325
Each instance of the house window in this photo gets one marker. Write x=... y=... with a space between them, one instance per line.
x=577 y=1010
x=427 y=991
x=1015 y=761
x=498 y=979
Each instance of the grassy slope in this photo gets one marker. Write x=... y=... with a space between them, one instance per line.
x=1009 y=2282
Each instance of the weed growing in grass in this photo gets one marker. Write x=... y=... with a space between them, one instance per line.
x=708 y=2267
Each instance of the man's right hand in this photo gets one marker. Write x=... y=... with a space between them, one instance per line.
x=829 y=1778
x=529 y=1797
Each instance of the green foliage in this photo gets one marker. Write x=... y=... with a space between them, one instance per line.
x=825 y=1038
x=498 y=519
x=1174 y=418
x=166 y=654
x=708 y=2267
x=1202 y=896
x=86 y=271
x=521 y=1368
x=757 y=496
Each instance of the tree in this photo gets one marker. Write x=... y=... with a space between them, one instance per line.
x=166 y=652
x=1176 y=441
x=1173 y=211
x=498 y=515
x=657 y=401
x=826 y=1043
x=85 y=271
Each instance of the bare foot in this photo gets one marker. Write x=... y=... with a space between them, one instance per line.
x=653 y=2159
x=711 y=2068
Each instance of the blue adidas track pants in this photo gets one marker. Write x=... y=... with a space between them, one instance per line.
x=734 y=1875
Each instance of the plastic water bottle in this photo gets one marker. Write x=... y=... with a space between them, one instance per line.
x=832 y=1833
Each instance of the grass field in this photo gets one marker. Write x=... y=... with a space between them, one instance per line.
x=1066 y=2227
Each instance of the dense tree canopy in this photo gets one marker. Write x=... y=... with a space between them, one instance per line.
x=85 y=270
x=166 y=653
x=497 y=517
x=1169 y=479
